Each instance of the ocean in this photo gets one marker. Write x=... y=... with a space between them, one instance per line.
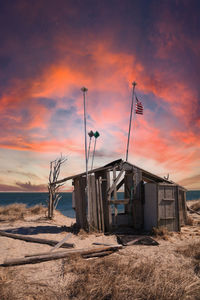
x=31 y=199
x=65 y=203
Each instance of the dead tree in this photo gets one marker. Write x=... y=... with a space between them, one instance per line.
x=54 y=194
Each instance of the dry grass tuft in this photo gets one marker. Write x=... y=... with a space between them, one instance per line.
x=111 y=278
x=191 y=250
x=196 y=206
x=14 y=288
x=12 y=212
x=189 y=220
x=6 y=277
x=162 y=233
x=37 y=210
x=18 y=211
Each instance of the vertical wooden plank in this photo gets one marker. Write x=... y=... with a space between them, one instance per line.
x=94 y=202
x=177 y=210
x=101 y=204
x=168 y=213
x=138 y=214
x=81 y=205
x=98 y=205
x=115 y=196
x=108 y=219
x=150 y=206
x=103 y=175
x=77 y=200
x=90 y=203
x=128 y=193
x=184 y=207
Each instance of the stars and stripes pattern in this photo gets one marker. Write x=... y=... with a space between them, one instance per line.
x=138 y=107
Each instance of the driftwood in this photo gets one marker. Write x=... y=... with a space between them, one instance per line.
x=193 y=211
x=99 y=254
x=44 y=253
x=53 y=256
x=101 y=244
x=34 y=240
x=58 y=245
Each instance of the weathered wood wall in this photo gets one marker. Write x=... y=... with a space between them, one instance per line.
x=162 y=204
x=168 y=214
x=80 y=201
x=182 y=206
x=150 y=206
x=137 y=200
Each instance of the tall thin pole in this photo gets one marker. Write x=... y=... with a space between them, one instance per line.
x=84 y=90
x=89 y=149
x=131 y=113
x=96 y=135
x=93 y=153
x=91 y=134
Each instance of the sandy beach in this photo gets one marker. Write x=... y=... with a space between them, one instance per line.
x=64 y=278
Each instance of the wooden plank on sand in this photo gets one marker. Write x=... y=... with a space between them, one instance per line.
x=34 y=240
x=54 y=256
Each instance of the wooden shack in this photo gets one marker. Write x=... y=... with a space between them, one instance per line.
x=147 y=200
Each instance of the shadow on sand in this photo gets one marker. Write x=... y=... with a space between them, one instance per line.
x=33 y=230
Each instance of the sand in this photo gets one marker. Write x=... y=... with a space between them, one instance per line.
x=51 y=273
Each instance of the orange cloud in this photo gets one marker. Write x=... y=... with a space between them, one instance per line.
x=108 y=75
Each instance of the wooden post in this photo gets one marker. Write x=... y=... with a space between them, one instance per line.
x=93 y=202
x=101 y=204
x=137 y=203
x=34 y=239
x=104 y=177
x=98 y=205
x=52 y=256
x=115 y=196
x=81 y=202
x=108 y=198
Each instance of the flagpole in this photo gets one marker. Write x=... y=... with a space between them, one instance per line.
x=131 y=113
x=84 y=90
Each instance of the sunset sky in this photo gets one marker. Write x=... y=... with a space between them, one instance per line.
x=50 y=49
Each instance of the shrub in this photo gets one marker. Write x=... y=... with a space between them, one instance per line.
x=161 y=232
x=196 y=205
x=18 y=211
x=191 y=250
x=189 y=220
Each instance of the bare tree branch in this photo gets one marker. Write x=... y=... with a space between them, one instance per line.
x=54 y=194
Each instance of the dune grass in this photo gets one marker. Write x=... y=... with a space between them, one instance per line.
x=189 y=220
x=191 y=250
x=113 y=277
x=161 y=233
x=196 y=205
x=18 y=211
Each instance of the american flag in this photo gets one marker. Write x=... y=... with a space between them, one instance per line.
x=138 y=107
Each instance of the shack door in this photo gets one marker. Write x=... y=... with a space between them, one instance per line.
x=167 y=207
